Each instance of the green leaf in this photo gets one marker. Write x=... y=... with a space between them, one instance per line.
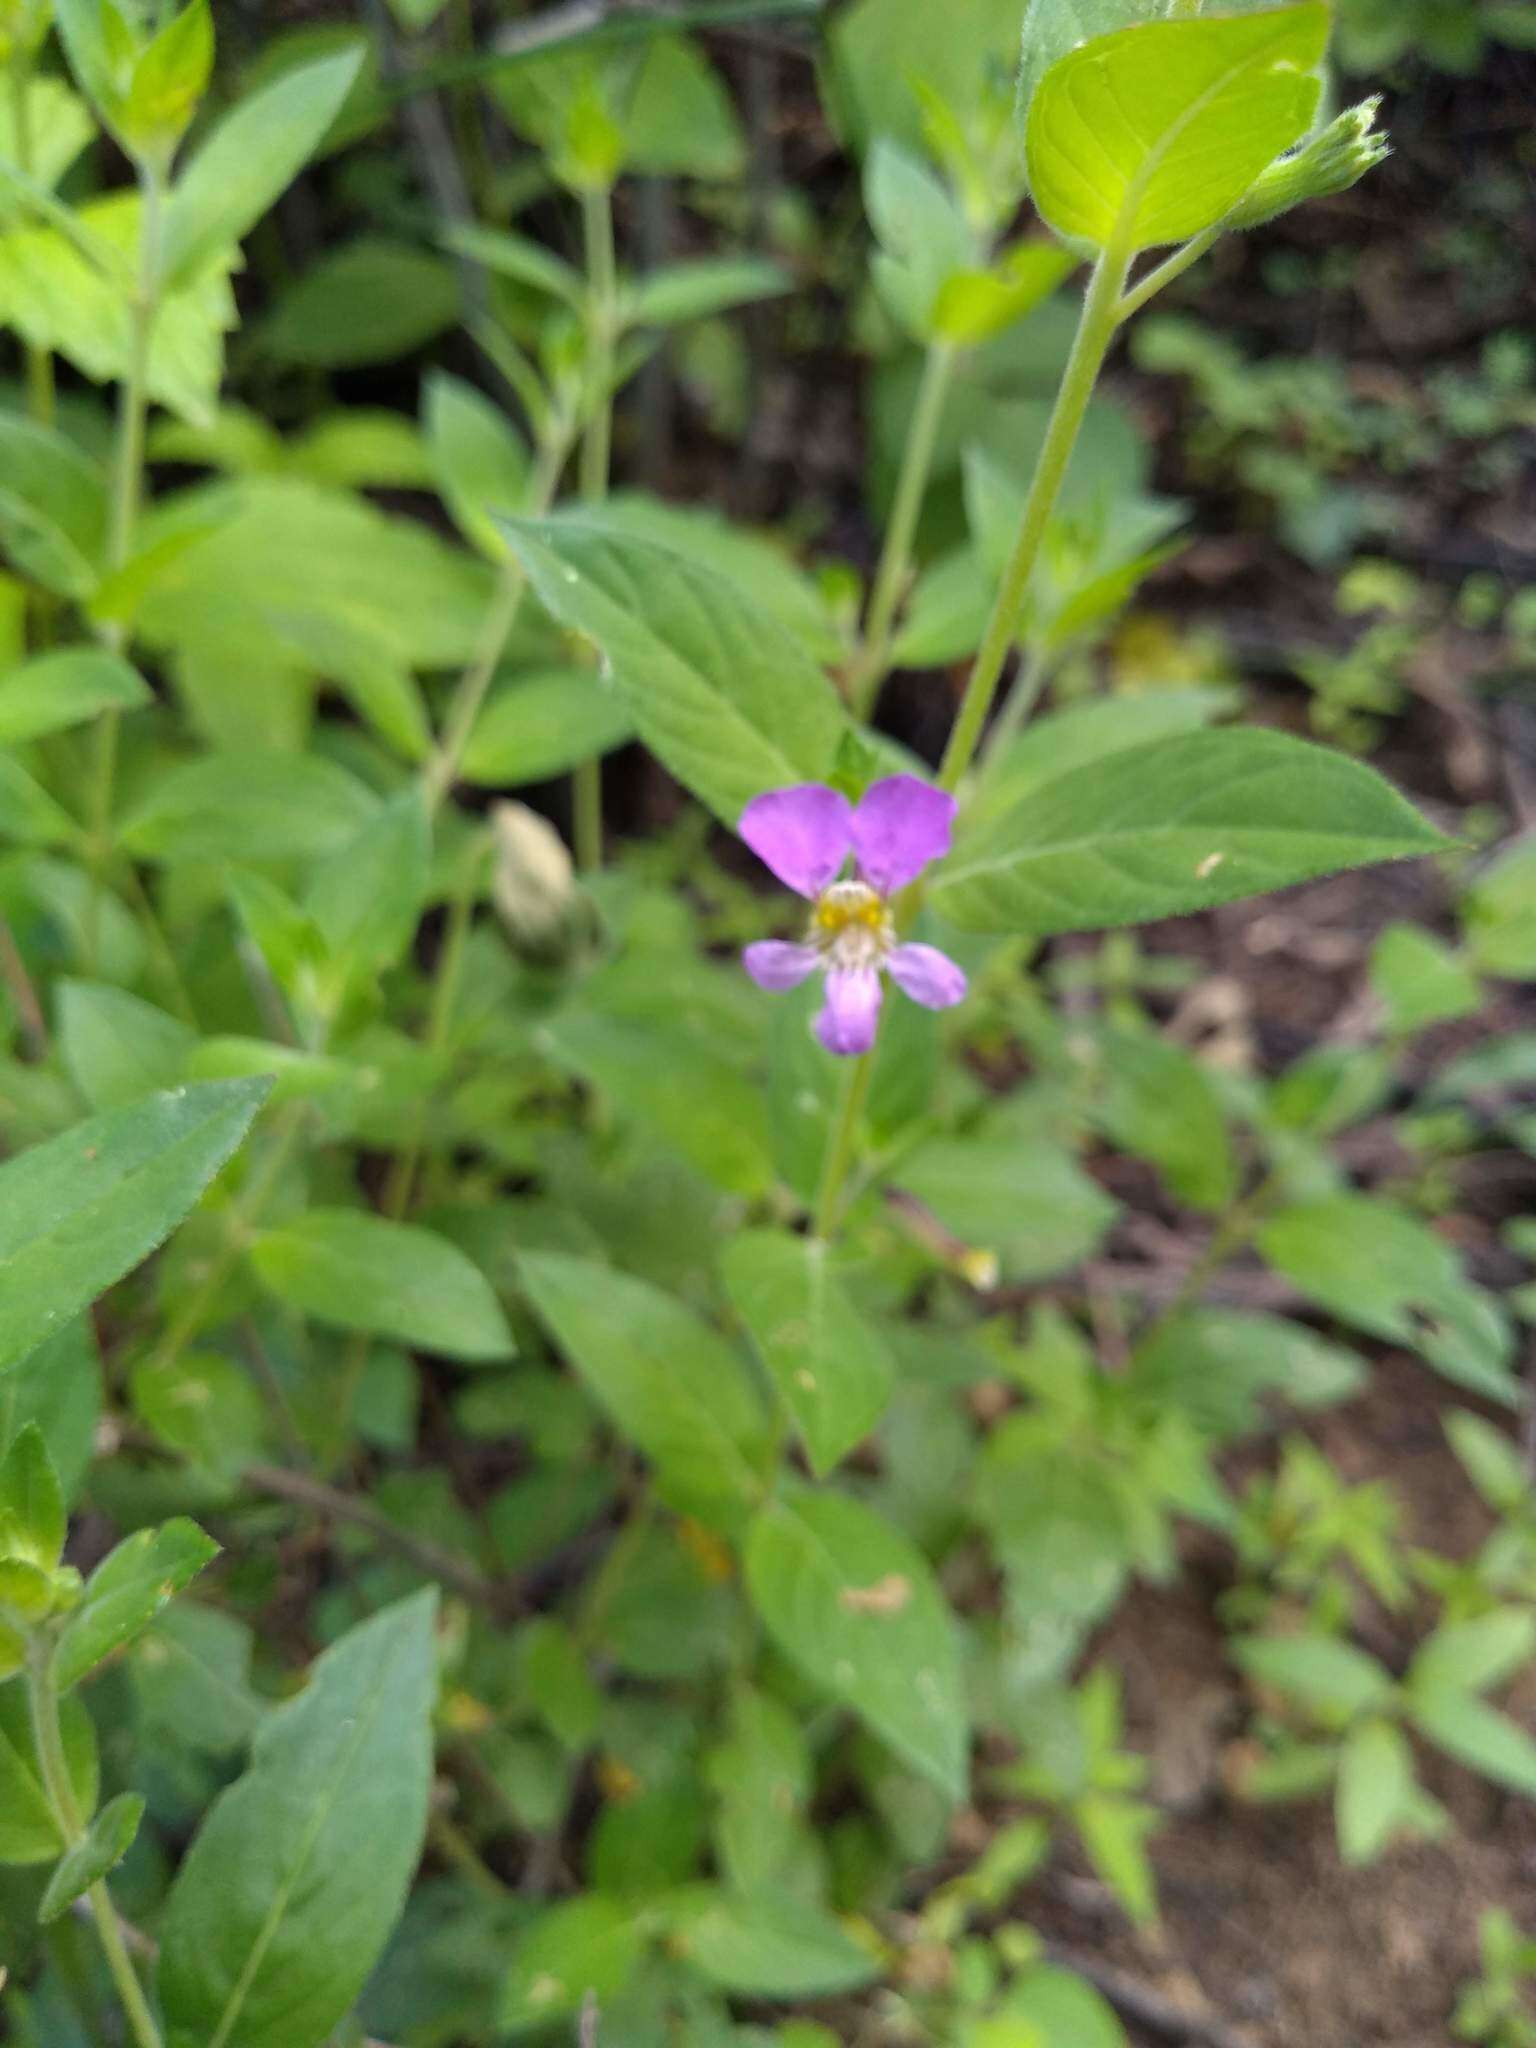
x=249 y=160
x=925 y=239
x=32 y=1501
x=1471 y=1656
x=28 y=1832
x=891 y=58
x=711 y=285
x=1032 y=1203
x=1114 y=1833
x=772 y=1945
x=1500 y=914
x=582 y=1948
x=55 y=691
x=851 y=1601
x=60 y=300
x=1214 y=1363
x=99 y=1850
x=719 y=691
x=1065 y=2011
x=830 y=1368
x=125 y=1593
x=1382 y=1270
x=542 y=726
x=366 y=301
x=364 y=1272
x=1051 y=745
x=672 y=1385
x=478 y=459
x=1152 y=133
x=367 y=901
x=1419 y=980
x=1376 y=1789
x=116 y=1047
x=53 y=506
x=78 y=1213
x=250 y=807
x=57 y=1386
x=1172 y=827
x=292 y=1885
x=1478 y=1737
x=28 y=814
x=201 y=1404
x=1325 y=1673
x=717 y=1121
x=1158 y=1102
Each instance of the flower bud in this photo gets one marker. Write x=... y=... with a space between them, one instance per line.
x=534 y=888
x=1331 y=162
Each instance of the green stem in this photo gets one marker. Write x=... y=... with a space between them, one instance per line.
x=469 y=692
x=602 y=321
x=1171 y=267
x=1018 y=709
x=596 y=460
x=72 y=1827
x=840 y=1150
x=1095 y=332
x=127 y=488
x=874 y=660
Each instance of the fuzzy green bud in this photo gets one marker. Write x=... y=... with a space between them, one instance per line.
x=1331 y=162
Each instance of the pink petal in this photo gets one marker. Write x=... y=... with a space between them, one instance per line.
x=928 y=976
x=900 y=825
x=801 y=833
x=847 y=1024
x=776 y=964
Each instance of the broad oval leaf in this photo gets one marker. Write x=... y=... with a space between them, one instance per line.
x=1176 y=826
x=364 y=1272
x=850 y=1600
x=250 y=806
x=1152 y=133
x=671 y=1383
x=721 y=693
x=833 y=1372
x=544 y=725
x=77 y=1213
x=290 y=1890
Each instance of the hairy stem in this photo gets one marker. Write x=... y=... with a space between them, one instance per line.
x=72 y=1827
x=1095 y=332
x=874 y=659
x=1165 y=272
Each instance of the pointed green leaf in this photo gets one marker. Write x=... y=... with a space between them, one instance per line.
x=1175 y=826
x=32 y=1501
x=364 y=1272
x=671 y=1383
x=66 y=688
x=720 y=692
x=297 y=1876
x=831 y=1369
x=100 y=1850
x=854 y=1604
x=78 y=1213
x=126 y=1591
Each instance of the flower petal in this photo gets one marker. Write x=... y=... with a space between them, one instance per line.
x=847 y=1024
x=928 y=976
x=801 y=833
x=777 y=964
x=900 y=825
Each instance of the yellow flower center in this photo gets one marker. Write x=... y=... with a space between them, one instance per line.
x=851 y=924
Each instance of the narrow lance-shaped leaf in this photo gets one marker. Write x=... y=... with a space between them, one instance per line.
x=77 y=1213
x=1176 y=826
x=99 y=1850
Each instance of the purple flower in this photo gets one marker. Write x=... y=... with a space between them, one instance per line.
x=805 y=835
